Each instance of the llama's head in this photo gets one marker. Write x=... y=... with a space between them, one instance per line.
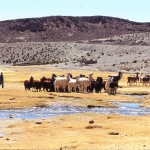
x=91 y=73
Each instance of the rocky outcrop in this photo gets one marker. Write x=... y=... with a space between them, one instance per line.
x=23 y=25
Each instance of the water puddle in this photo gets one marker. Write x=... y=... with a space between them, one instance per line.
x=124 y=108
x=131 y=109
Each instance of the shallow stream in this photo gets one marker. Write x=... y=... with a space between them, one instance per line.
x=124 y=108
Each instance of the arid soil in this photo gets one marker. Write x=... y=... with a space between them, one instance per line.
x=74 y=132
x=78 y=131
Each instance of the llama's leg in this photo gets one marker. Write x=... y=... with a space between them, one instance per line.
x=58 y=88
x=69 y=89
x=55 y=88
x=2 y=84
x=64 y=88
x=109 y=90
x=130 y=83
x=115 y=90
x=75 y=88
x=84 y=89
x=80 y=88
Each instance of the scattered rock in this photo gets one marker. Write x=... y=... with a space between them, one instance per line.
x=10 y=116
x=91 y=122
x=92 y=106
x=38 y=122
x=7 y=139
x=109 y=117
x=113 y=133
x=12 y=98
x=93 y=127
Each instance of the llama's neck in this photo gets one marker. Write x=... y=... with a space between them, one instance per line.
x=68 y=77
x=137 y=75
x=90 y=77
x=108 y=83
x=77 y=78
x=120 y=75
x=31 y=81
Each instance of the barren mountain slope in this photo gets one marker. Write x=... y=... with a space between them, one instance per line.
x=66 y=28
x=69 y=55
x=126 y=39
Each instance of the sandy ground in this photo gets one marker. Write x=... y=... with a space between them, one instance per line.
x=70 y=131
x=75 y=132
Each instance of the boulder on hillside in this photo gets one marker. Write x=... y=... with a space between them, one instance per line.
x=88 y=61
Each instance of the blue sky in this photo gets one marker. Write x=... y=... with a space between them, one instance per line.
x=134 y=10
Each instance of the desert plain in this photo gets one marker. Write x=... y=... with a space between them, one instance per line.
x=75 y=131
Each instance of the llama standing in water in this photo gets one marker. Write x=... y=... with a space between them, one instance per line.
x=85 y=82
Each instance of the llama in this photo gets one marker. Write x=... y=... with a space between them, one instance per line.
x=48 y=83
x=90 y=88
x=38 y=84
x=85 y=82
x=52 y=88
x=133 y=79
x=141 y=78
x=28 y=84
x=73 y=84
x=116 y=78
x=107 y=88
x=61 y=82
x=112 y=83
x=146 y=80
x=98 y=85
x=111 y=87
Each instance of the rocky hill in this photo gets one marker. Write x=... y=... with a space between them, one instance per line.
x=66 y=28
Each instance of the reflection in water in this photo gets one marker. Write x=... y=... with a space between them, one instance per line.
x=131 y=109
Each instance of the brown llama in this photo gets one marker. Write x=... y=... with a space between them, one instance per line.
x=28 y=84
x=133 y=79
